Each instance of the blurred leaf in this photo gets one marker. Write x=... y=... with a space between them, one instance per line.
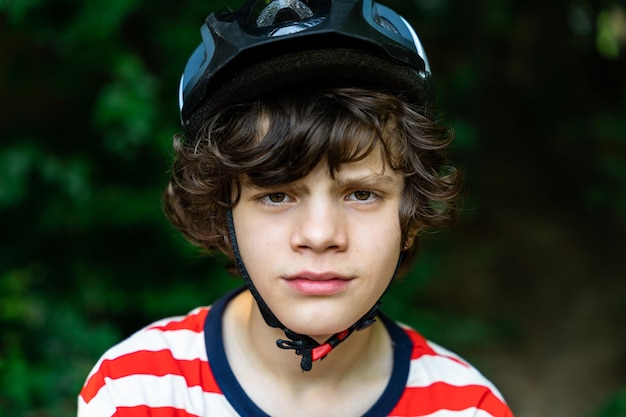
x=18 y=9
x=15 y=166
x=615 y=407
x=125 y=110
x=611 y=34
x=100 y=19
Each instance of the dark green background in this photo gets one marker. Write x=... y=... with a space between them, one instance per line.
x=530 y=286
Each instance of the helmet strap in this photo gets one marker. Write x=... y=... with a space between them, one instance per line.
x=303 y=345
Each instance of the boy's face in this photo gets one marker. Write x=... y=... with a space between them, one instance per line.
x=321 y=251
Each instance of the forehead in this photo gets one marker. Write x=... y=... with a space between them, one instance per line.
x=372 y=171
x=373 y=163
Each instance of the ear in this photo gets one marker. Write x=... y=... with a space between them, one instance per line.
x=413 y=233
x=409 y=243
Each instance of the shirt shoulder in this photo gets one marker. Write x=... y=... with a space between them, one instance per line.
x=163 y=366
x=440 y=381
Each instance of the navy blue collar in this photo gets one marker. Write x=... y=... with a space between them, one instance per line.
x=240 y=401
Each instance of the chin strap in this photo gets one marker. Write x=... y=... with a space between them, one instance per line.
x=312 y=351
x=303 y=345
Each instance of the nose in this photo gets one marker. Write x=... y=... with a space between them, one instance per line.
x=320 y=227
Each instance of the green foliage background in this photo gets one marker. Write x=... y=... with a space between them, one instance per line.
x=536 y=92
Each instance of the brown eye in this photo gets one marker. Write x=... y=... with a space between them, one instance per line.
x=362 y=195
x=277 y=197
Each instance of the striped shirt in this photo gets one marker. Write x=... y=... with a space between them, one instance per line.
x=177 y=367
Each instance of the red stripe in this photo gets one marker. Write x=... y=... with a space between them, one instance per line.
x=421 y=401
x=145 y=411
x=193 y=322
x=196 y=372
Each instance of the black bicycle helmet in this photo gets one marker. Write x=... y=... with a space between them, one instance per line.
x=268 y=44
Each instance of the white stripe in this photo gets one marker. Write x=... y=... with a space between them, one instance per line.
x=155 y=391
x=428 y=369
x=445 y=352
x=103 y=407
x=485 y=381
x=468 y=412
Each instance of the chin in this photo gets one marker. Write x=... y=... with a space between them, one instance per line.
x=321 y=328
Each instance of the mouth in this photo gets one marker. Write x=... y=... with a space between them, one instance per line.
x=318 y=284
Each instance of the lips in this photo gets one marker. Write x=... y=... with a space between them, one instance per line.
x=318 y=284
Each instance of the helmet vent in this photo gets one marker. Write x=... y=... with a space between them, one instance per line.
x=381 y=21
x=283 y=11
x=285 y=15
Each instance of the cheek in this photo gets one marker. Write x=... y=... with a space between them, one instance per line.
x=381 y=241
x=258 y=242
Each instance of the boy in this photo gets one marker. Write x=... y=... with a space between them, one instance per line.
x=311 y=157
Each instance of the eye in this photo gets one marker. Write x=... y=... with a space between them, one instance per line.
x=276 y=198
x=362 y=195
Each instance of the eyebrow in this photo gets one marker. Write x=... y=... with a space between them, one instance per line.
x=359 y=181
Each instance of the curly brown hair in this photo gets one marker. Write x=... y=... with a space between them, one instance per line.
x=281 y=137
